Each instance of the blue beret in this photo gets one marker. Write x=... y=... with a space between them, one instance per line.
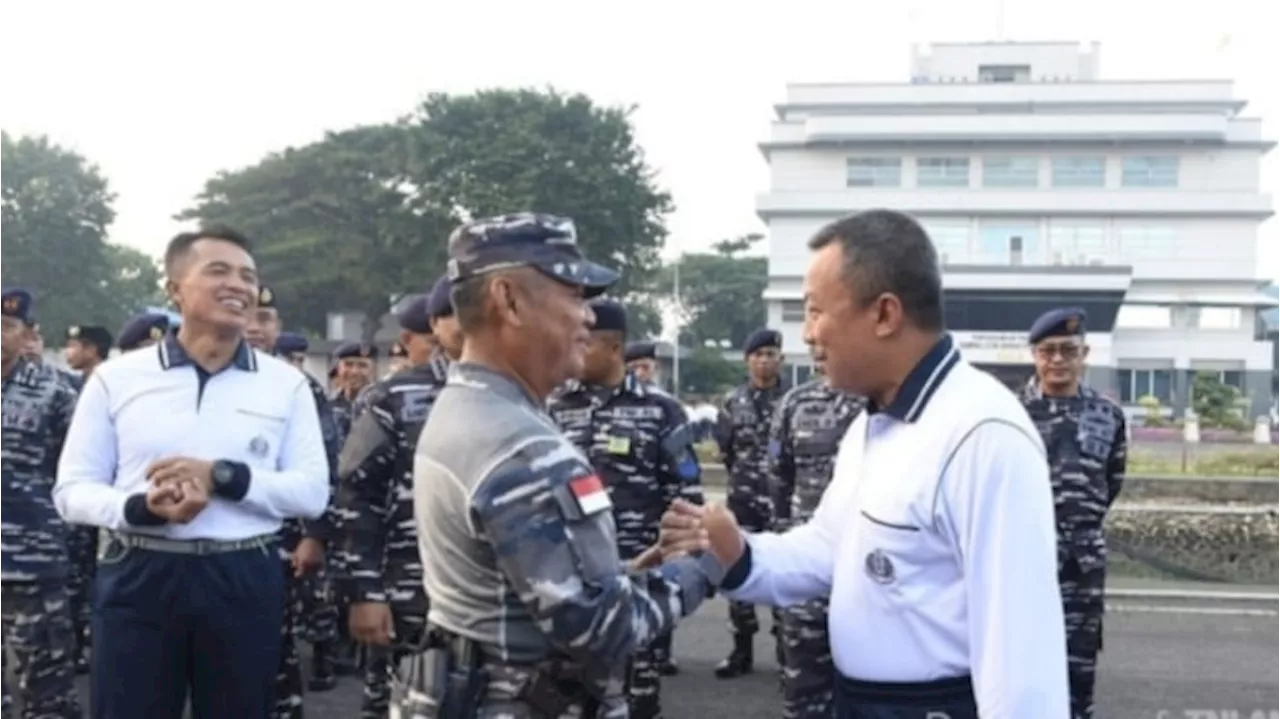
x=348 y=350
x=93 y=334
x=762 y=338
x=439 y=304
x=414 y=317
x=610 y=315
x=142 y=328
x=641 y=350
x=266 y=298
x=1065 y=322
x=527 y=239
x=18 y=304
x=291 y=342
x=397 y=350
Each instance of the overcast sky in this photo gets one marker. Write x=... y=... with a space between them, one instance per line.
x=162 y=96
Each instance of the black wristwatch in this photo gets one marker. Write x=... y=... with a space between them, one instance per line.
x=224 y=473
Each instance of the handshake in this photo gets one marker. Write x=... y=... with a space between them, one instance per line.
x=689 y=528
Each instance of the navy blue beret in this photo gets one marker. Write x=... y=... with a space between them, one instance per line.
x=147 y=327
x=290 y=343
x=439 y=304
x=93 y=334
x=762 y=338
x=415 y=317
x=610 y=315
x=349 y=350
x=527 y=239
x=266 y=298
x=18 y=304
x=1064 y=322
x=397 y=350
x=641 y=350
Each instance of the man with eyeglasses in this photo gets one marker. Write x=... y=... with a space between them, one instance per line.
x=1084 y=436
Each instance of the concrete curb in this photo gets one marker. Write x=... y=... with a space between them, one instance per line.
x=1193 y=595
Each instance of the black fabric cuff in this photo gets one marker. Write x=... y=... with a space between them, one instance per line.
x=740 y=570
x=238 y=487
x=137 y=513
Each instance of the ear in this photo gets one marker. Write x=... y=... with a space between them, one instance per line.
x=888 y=316
x=510 y=300
x=1084 y=352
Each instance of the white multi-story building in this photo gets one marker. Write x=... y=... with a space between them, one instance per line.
x=1044 y=186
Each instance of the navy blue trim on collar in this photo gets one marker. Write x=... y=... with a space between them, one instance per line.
x=172 y=355
x=921 y=382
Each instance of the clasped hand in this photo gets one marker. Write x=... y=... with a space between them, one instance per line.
x=687 y=528
x=179 y=488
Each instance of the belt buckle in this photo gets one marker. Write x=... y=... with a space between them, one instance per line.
x=204 y=546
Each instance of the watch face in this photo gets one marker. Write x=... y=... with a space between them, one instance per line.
x=221 y=474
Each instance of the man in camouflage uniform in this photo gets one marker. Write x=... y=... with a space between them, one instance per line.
x=533 y=614
x=354 y=365
x=37 y=622
x=378 y=544
x=743 y=436
x=87 y=346
x=807 y=428
x=301 y=543
x=638 y=439
x=1085 y=441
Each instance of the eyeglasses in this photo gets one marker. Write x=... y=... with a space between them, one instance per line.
x=1067 y=350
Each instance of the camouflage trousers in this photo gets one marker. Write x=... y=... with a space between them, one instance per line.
x=289 y=675
x=754 y=512
x=644 y=685
x=1083 y=605
x=38 y=647
x=409 y=626
x=82 y=548
x=808 y=676
x=319 y=614
x=500 y=699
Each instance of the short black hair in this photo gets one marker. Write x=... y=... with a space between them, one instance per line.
x=467 y=297
x=888 y=251
x=182 y=242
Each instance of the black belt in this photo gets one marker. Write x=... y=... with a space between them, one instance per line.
x=956 y=690
x=195 y=547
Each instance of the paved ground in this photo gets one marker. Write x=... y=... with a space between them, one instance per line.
x=1157 y=658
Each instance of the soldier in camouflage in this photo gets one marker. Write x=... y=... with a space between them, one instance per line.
x=533 y=614
x=142 y=330
x=301 y=543
x=807 y=428
x=292 y=348
x=87 y=346
x=354 y=367
x=1085 y=441
x=37 y=622
x=378 y=543
x=743 y=436
x=639 y=441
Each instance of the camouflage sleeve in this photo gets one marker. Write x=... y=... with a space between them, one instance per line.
x=724 y=433
x=549 y=522
x=679 y=473
x=60 y=413
x=1118 y=461
x=365 y=472
x=322 y=528
x=782 y=464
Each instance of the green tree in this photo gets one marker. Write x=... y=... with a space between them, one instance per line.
x=707 y=373
x=501 y=151
x=134 y=282
x=338 y=224
x=644 y=318
x=721 y=292
x=1216 y=403
x=55 y=207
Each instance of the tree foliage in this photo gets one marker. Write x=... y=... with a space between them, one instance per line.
x=1217 y=403
x=721 y=292
x=338 y=224
x=707 y=373
x=55 y=213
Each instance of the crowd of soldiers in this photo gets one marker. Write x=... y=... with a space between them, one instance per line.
x=356 y=575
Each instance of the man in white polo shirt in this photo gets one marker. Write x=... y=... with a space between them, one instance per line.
x=936 y=538
x=191 y=454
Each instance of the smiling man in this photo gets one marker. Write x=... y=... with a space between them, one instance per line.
x=191 y=455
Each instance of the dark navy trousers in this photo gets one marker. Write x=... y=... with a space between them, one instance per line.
x=171 y=626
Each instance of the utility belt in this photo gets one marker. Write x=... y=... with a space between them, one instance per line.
x=950 y=698
x=447 y=677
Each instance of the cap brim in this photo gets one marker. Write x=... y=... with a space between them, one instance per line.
x=594 y=279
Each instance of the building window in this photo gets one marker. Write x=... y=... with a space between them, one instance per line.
x=1004 y=73
x=1149 y=171
x=874 y=172
x=1138 y=383
x=1084 y=244
x=1147 y=243
x=1214 y=318
x=1079 y=171
x=1145 y=317
x=1010 y=171
x=942 y=171
x=1010 y=245
x=792 y=311
x=950 y=241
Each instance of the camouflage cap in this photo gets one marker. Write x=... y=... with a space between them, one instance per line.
x=548 y=243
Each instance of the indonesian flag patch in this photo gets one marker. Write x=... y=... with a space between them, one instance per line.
x=590 y=494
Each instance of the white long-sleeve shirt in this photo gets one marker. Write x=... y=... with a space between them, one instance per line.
x=155 y=403
x=937 y=545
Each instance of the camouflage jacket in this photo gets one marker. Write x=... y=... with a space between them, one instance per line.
x=1085 y=441
x=294 y=529
x=378 y=542
x=38 y=404
x=742 y=433
x=638 y=439
x=807 y=428
x=343 y=410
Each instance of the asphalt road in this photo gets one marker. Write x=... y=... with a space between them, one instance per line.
x=1176 y=660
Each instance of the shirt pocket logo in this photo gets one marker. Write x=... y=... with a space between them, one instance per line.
x=879 y=567
x=259 y=447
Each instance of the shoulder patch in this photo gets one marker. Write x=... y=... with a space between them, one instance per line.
x=583 y=497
